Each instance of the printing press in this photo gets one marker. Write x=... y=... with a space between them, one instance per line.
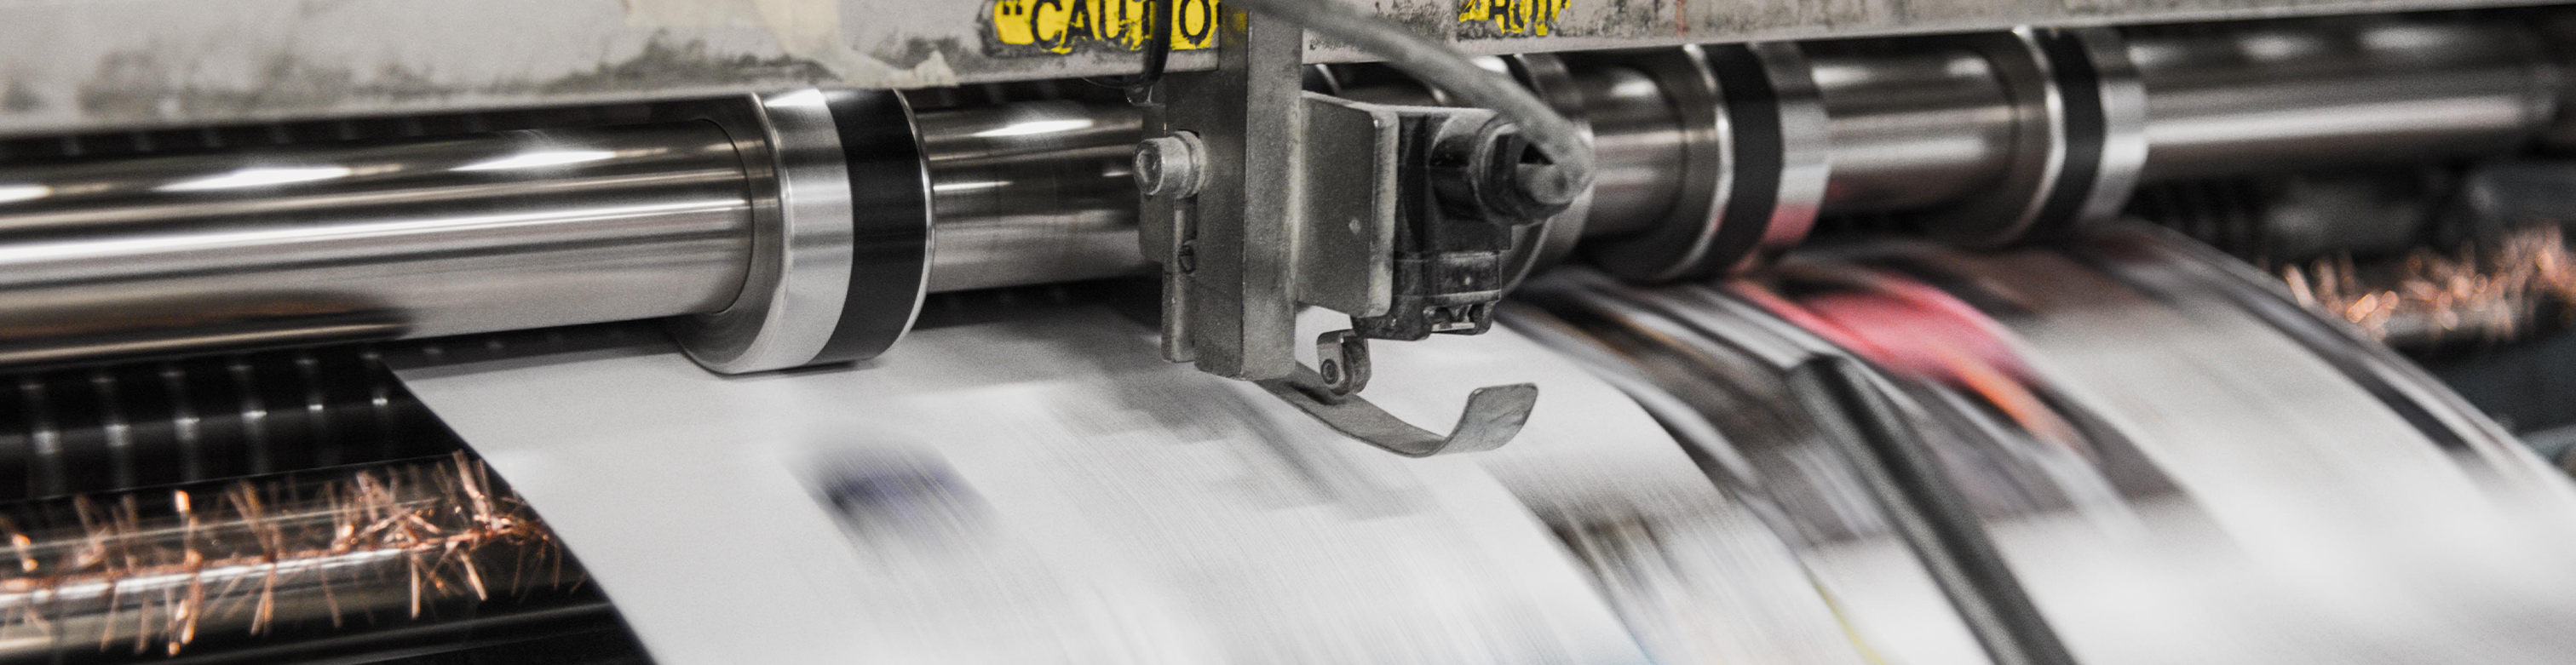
x=1287 y=331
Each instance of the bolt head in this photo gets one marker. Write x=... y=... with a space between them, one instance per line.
x=1167 y=166
x=1149 y=168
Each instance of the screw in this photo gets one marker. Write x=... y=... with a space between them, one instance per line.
x=1149 y=166
x=1169 y=165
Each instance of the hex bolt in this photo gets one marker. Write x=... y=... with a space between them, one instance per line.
x=1170 y=166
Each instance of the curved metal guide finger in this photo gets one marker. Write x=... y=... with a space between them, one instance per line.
x=1494 y=415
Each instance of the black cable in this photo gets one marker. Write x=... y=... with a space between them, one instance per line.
x=1158 y=53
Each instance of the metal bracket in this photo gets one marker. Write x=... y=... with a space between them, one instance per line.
x=1345 y=258
x=1494 y=413
x=1261 y=198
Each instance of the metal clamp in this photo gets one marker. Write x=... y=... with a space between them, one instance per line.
x=1494 y=413
x=1261 y=198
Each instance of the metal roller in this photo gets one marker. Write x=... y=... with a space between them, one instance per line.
x=740 y=219
x=803 y=227
x=1031 y=193
x=1681 y=240
x=2302 y=95
x=425 y=237
x=1913 y=127
x=438 y=236
x=1638 y=141
x=1783 y=147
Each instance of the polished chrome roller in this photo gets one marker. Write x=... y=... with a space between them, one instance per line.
x=778 y=231
x=803 y=227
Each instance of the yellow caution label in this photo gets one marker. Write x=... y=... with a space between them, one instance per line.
x=1065 y=26
x=1514 y=17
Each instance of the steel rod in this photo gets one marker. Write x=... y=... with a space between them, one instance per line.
x=2282 y=97
x=1031 y=193
x=297 y=245
x=1912 y=128
x=380 y=239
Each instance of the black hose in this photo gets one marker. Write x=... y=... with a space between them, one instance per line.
x=1158 y=52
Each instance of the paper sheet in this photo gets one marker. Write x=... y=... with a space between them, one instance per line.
x=1047 y=490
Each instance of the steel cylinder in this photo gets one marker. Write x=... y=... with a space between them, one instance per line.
x=2313 y=94
x=1914 y=124
x=425 y=237
x=407 y=238
x=1638 y=147
x=1031 y=193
